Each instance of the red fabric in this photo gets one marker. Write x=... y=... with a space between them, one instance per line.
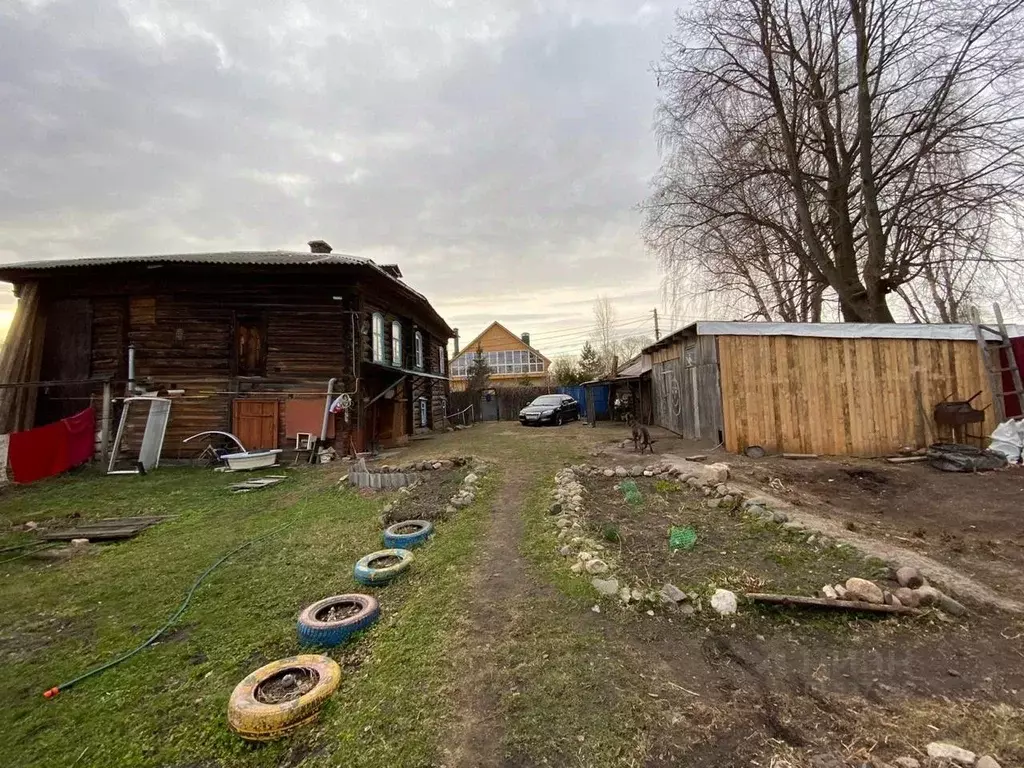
x=1011 y=403
x=81 y=436
x=50 y=450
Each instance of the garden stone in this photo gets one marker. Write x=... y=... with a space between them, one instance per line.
x=943 y=751
x=584 y=556
x=621 y=472
x=607 y=587
x=563 y=522
x=637 y=595
x=648 y=473
x=948 y=605
x=840 y=591
x=576 y=567
x=864 y=590
x=624 y=594
x=829 y=592
x=670 y=593
x=908 y=576
x=907 y=597
x=780 y=517
x=986 y=761
x=927 y=595
x=907 y=762
x=577 y=500
x=725 y=501
x=565 y=551
x=609 y=473
x=724 y=602
x=596 y=566
x=757 y=511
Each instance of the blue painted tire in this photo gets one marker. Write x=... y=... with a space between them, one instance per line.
x=395 y=539
x=366 y=573
x=315 y=631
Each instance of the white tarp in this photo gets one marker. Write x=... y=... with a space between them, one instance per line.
x=850 y=330
x=1008 y=440
x=5 y=441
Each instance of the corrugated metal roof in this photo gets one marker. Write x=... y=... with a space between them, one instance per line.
x=949 y=332
x=227 y=257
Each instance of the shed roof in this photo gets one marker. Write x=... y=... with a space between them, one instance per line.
x=22 y=269
x=936 y=331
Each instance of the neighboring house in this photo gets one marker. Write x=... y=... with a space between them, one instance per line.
x=510 y=358
x=855 y=389
x=251 y=337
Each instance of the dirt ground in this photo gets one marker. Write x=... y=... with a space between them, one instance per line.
x=973 y=522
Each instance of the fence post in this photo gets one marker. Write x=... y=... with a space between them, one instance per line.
x=105 y=423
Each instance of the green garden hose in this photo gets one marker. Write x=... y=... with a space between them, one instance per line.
x=49 y=694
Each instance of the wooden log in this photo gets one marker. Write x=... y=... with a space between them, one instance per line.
x=799 y=455
x=906 y=459
x=821 y=602
x=93 y=534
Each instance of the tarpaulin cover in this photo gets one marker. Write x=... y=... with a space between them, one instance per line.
x=55 y=448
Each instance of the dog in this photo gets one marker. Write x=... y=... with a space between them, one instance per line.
x=641 y=437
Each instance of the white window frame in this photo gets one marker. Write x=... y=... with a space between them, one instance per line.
x=419 y=349
x=378 y=337
x=440 y=360
x=396 y=344
x=424 y=413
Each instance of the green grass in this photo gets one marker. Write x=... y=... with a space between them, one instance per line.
x=166 y=705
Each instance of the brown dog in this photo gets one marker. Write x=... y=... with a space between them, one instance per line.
x=641 y=437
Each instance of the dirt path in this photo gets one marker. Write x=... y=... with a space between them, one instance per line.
x=499 y=580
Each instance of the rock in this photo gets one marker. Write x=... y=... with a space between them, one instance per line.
x=864 y=590
x=724 y=602
x=648 y=473
x=907 y=762
x=565 y=551
x=829 y=592
x=927 y=595
x=576 y=567
x=670 y=593
x=596 y=565
x=757 y=510
x=621 y=472
x=986 y=761
x=577 y=500
x=721 y=489
x=840 y=591
x=895 y=601
x=716 y=473
x=608 y=587
x=637 y=595
x=563 y=522
x=584 y=556
x=947 y=604
x=887 y=597
x=31 y=525
x=943 y=751
x=907 y=597
x=636 y=471
x=555 y=509
x=725 y=501
x=79 y=542
x=609 y=473
x=908 y=576
x=446 y=464
x=780 y=517
x=450 y=509
x=436 y=465
x=624 y=594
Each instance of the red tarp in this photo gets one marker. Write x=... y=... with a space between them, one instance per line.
x=1011 y=403
x=55 y=448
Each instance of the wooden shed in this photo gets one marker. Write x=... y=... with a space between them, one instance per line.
x=828 y=388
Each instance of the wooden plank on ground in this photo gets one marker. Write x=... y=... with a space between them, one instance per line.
x=93 y=534
x=823 y=602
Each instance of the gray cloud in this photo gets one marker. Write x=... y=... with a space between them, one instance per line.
x=495 y=149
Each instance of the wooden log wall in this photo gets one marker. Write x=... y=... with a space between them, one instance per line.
x=856 y=397
x=684 y=388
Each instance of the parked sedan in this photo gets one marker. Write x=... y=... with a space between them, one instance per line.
x=550 y=409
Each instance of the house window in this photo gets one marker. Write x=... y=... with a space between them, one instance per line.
x=378 y=337
x=250 y=346
x=419 y=350
x=440 y=360
x=396 y=344
x=423 y=412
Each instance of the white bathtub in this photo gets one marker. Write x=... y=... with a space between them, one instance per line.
x=252 y=459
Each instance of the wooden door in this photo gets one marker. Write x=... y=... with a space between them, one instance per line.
x=67 y=356
x=255 y=423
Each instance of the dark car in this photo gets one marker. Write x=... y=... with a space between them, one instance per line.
x=550 y=409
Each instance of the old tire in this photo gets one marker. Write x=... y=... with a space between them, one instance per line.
x=313 y=631
x=366 y=573
x=395 y=540
x=255 y=720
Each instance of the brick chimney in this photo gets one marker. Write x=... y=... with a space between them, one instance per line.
x=319 y=246
x=525 y=338
x=456 y=332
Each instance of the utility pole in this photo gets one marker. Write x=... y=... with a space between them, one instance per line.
x=657 y=333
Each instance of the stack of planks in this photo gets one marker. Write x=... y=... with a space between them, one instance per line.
x=107 y=529
x=21 y=361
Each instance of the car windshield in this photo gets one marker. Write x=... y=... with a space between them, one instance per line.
x=547 y=400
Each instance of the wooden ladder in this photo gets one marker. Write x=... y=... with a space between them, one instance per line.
x=994 y=364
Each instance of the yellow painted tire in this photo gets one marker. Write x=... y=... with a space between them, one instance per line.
x=256 y=721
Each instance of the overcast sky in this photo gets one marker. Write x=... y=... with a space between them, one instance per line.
x=495 y=149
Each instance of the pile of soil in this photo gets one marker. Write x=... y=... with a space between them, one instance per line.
x=428 y=499
x=287 y=685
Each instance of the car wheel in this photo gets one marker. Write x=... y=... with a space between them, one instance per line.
x=558 y=420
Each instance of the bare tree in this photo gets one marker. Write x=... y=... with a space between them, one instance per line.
x=604 y=328
x=846 y=150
